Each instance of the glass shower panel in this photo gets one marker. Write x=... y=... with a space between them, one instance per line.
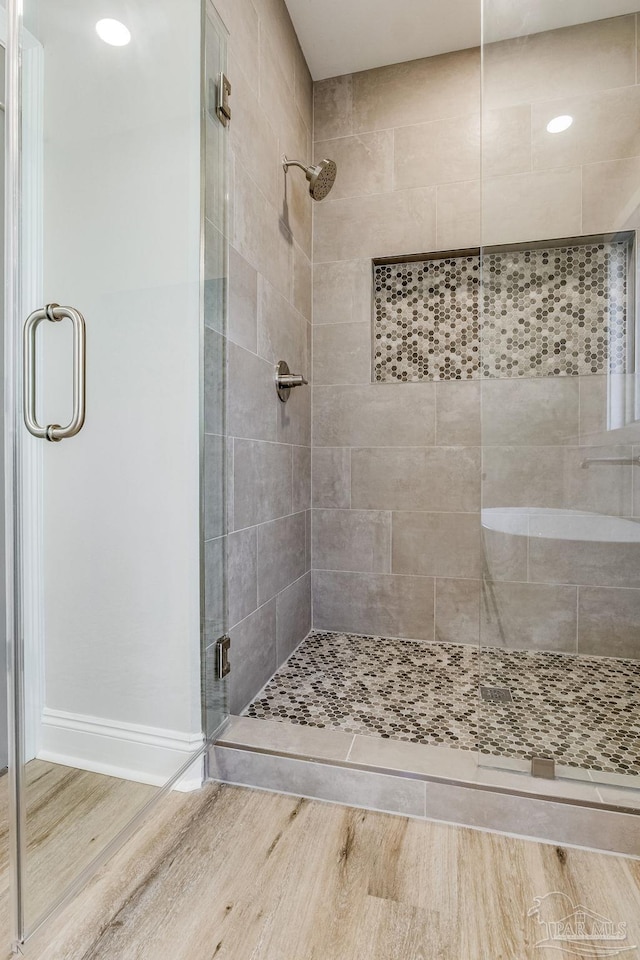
x=118 y=670
x=560 y=604
x=216 y=244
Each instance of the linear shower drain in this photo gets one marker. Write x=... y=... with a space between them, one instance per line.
x=496 y=694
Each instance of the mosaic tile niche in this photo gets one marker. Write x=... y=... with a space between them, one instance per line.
x=552 y=310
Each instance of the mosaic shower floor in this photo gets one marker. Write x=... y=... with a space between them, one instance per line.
x=583 y=711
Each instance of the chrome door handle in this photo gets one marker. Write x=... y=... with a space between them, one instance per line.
x=54 y=431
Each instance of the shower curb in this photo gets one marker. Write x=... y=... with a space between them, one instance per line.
x=239 y=758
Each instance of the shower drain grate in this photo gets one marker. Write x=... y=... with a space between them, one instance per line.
x=496 y=694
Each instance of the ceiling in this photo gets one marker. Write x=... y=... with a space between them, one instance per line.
x=344 y=36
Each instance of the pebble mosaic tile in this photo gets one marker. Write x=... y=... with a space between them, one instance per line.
x=541 y=312
x=582 y=711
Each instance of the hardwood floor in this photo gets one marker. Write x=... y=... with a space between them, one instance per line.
x=235 y=874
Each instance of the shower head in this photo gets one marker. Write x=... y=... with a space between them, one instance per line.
x=321 y=177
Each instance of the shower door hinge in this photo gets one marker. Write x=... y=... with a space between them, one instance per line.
x=223 y=667
x=223 y=110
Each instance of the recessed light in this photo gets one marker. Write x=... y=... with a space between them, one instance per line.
x=559 y=124
x=113 y=32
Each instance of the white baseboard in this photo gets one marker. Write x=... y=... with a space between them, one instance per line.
x=125 y=750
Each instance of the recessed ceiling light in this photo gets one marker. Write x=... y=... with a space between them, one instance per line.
x=559 y=124
x=113 y=32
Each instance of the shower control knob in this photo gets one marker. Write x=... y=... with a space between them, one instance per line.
x=285 y=380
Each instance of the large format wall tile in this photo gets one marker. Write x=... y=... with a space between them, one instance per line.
x=457 y=616
x=609 y=622
x=302 y=282
x=532 y=206
x=459 y=215
x=282 y=331
x=333 y=108
x=281 y=554
x=605 y=127
x=262 y=487
x=241 y=20
x=511 y=616
x=506 y=141
x=365 y=163
x=243 y=302
x=357 y=540
x=294 y=416
x=523 y=477
x=437 y=544
x=458 y=413
x=611 y=195
x=342 y=353
x=253 y=139
x=251 y=407
x=528 y=412
x=607 y=564
x=373 y=604
x=554 y=477
x=374 y=415
x=575 y=60
x=301 y=479
x=243 y=574
x=605 y=417
x=385 y=225
x=598 y=488
x=417 y=91
x=437 y=152
x=253 y=655
x=266 y=248
x=505 y=545
x=402 y=478
x=214 y=486
x=293 y=616
x=342 y=292
x=331 y=477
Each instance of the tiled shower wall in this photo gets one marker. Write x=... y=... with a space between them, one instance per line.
x=269 y=590
x=402 y=470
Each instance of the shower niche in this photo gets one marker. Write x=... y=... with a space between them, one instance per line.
x=549 y=309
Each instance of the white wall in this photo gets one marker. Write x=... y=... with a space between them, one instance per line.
x=3 y=639
x=122 y=229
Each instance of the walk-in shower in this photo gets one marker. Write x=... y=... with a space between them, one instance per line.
x=475 y=492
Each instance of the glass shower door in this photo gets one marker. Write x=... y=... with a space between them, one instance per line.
x=560 y=611
x=114 y=658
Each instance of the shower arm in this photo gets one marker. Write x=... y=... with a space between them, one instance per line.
x=293 y=163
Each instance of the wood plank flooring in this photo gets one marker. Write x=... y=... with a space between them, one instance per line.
x=235 y=874
x=71 y=816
